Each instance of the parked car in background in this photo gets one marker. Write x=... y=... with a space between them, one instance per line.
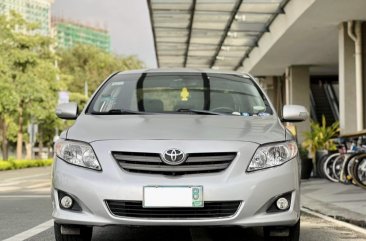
x=176 y=147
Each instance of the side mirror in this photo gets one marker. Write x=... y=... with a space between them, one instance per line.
x=67 y=111
x=294 y=113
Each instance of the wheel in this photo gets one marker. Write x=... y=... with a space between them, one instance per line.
x=328 y=167
x=346 y=174
x=319 y=165
x=85 y=233
x=293 y=233
x=359 y=171
x=337 y=167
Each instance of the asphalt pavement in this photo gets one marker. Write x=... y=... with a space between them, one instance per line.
x=312 y=229
x=25 y=208
x=24 y=200
x=343 y=202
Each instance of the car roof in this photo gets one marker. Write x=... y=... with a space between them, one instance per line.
x=182 y=70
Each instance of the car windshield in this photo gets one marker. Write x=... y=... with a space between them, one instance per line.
x=179 y=93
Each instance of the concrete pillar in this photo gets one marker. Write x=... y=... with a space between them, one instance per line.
x=364 y=70
x=267 y=85
x=347 y=82
x=279 y=89
x=298 y=93
x=272 y=87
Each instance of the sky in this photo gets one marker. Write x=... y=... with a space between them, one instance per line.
x=127 y=21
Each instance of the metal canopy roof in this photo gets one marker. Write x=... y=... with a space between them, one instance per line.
x=216 y=34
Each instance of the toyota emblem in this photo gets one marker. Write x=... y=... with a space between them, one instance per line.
x=173 y=157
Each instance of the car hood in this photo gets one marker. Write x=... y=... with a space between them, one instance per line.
x=256 y=129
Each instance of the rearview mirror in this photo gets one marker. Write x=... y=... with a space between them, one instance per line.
x=67 y=111
x=294 y=113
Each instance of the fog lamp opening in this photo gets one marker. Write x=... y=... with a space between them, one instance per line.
x=282 y=203
x=66 y=202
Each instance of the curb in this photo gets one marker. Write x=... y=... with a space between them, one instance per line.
x=337 y=220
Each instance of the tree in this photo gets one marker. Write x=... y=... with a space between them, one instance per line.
x=85 y=63
x=8 y=102
x=8 y=96
x=28 y=84
x=30 y=77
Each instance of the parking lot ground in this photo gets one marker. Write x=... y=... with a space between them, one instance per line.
x=312 y=229
x=24 y=199
x=343 y=202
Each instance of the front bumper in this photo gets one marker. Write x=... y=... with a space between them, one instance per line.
x=255 y=190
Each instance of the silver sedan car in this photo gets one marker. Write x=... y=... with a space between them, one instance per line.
x=177 y=147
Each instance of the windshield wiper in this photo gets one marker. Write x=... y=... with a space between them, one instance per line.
x=204 y=112
x=118 y=112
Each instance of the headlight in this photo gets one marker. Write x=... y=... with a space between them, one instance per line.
x=77 y=153
x=272 y=155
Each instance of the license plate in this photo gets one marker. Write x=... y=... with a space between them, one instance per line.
x=165 y=197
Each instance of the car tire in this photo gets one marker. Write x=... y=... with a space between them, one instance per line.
x=85 y=234
x=293 y=233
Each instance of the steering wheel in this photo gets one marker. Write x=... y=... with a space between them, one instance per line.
x=229 y=109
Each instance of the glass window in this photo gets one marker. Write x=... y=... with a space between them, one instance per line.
x=176 y=92
x=236 y=94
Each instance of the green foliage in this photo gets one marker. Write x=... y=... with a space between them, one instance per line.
x=27 y=74
x=8 y=97
x=80 y=99
x=85 y=63
x=30 y=80
x=20 y=164
x=304 y=153
x=12 y=130
x=320 y=136
x=6 y=165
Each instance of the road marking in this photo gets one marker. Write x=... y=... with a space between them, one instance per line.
x=34 y=185
x=4 y=184
x=25 y=196
x=335 y=221
x=8 y=189
x=42 y=190
x=25 y=177
x=199 y=234
x=31 y=232
x=43 y=184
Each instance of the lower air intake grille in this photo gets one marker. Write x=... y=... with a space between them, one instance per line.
x=210 y=210
x=194 y=164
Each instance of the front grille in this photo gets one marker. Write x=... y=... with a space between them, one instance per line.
x=210 y=210
x=195 y=163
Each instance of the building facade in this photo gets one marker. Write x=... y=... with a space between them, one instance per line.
x=69 y=33
x=38 y=11
x=309 y=53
